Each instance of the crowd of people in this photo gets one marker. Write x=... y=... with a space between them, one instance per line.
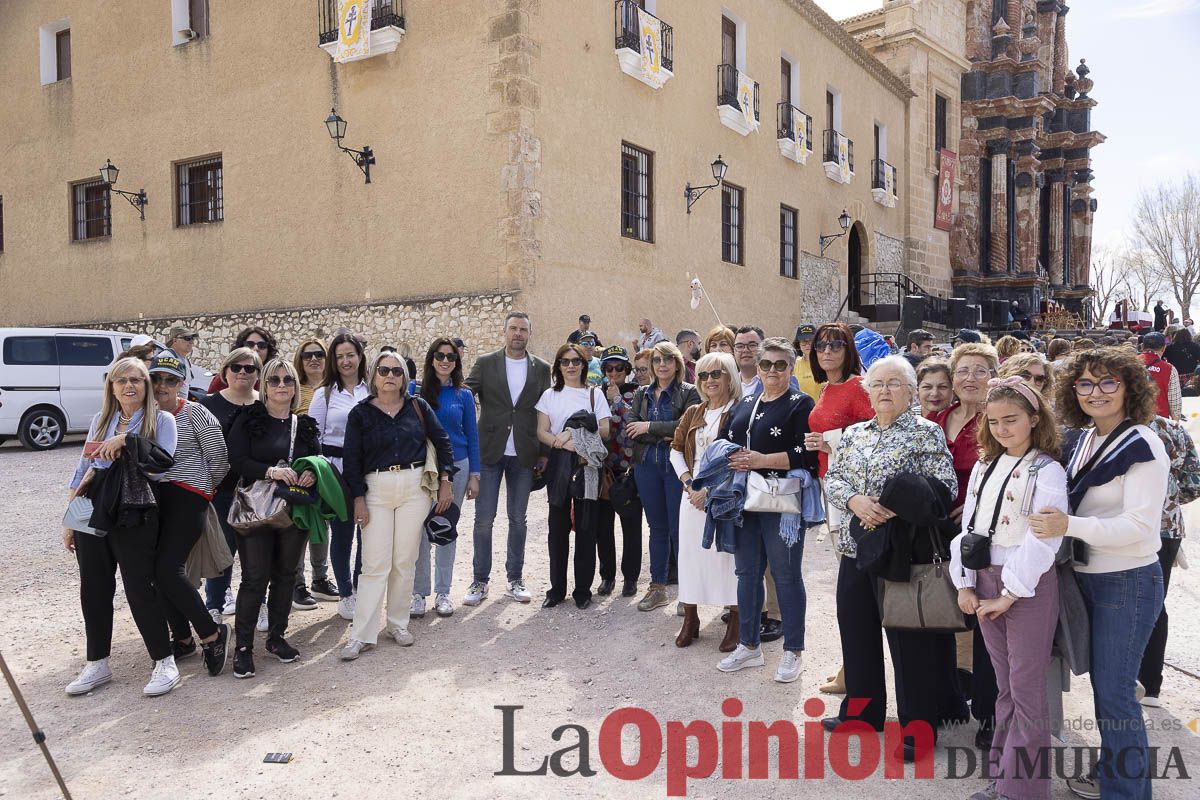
x=1037 y=480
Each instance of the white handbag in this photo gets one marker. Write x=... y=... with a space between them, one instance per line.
x=769 y=495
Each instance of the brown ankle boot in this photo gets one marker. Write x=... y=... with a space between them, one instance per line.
x=691 y=626
x=730 y=642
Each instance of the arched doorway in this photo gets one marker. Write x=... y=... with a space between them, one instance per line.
x=855 y=253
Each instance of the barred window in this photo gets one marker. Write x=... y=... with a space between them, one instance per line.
x=787 y=241
x=637 y=187
x=91 y=210
x=733 y=223
x=200 y=191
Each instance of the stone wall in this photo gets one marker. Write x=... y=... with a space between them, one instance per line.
x=889 y=254
x=477 y=319
x=821 y=288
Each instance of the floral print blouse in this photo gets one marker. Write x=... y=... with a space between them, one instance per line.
x=620 y=446
x=868 y=456
x=1183 y=479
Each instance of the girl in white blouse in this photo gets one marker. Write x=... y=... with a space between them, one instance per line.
x=1013 y=587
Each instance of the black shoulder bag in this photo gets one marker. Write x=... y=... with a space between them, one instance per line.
x=976 y=548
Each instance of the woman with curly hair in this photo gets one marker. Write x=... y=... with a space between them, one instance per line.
x=259 y=340
x=1007 y=347
x=1117 y=488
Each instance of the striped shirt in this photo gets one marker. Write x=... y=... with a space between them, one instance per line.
x=201 y=460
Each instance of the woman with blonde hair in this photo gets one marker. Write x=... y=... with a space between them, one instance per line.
x=1007 y=347
x=1034 y=369
x=706 y=575
x=128 y=410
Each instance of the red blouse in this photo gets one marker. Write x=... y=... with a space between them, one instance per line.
x=839 y=406
x=964 y=450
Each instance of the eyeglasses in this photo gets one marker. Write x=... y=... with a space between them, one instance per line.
x=390 y=371
x=715 y=375
x=165 y=380
x=891 y=386
x=766 y=365
x=281 y=380
x=191 y=338
x=313 y=355
x=440 y=356
x=249 y=369
x=744 y=346
x=829 y=345
x=570 y=362
x=127 y=381
x=258 y=345
x=1029 y=376
x=660 y=360
x=978 y=373
x=616 y=368
x=641 y=370
x=1085 y=388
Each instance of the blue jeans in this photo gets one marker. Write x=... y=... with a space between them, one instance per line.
x=1123 y=607
x=341 y=541
x=215 y=588
x=758 y=544
x=444 y=558
x=660 y=492
x=518 y=482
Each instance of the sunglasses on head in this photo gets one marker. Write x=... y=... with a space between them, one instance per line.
x=281 y=380
x=766 y=365
x=570 y=362
x=714 y=374
x=259 y=345
x=313 y=355
x=440 y=356
x=829 y=345
x=249 y=369
x=165 y=380
x=390 y=371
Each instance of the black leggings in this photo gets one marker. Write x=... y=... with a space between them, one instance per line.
x=181 y=516
x=560 y=519
x=131 y=549
x=631 y=541
x=269 y=558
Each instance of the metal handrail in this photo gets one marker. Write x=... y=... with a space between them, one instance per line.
x=786 y=118
x=937 y=309
x=384 y=14
x=727 y=88
x=830 y=140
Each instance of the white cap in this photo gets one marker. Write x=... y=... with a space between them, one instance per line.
x=140 y=340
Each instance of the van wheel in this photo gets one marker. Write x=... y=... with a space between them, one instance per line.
x=42 y=429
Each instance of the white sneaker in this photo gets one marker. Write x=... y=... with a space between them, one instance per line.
x=518 y=592
x=1139 y=691
x=476 y=594
x=789 y=667
x=741 y=658
x=443 y=606
x=263 y=624
x=164 y=678
x=93 y=674
x=1084 y=786
x=417 y=608
x=217 y=616
x=402 y=637
x=352 y=650
x=230 y=607
x=346 y=607
x=1151 y=701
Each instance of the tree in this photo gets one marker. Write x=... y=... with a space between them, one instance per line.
x=1107 y=279
x=1141 y=282
x=1166 y=224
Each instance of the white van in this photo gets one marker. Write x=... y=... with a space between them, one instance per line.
x=52 y=381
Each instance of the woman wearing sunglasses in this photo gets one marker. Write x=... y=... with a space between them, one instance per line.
x=260 y=442
x=239 y=373
x=442 y=387
x=843 y=401
x=1117 y=488
x=343 y=387
x=657 y=409
x=568 y=395
x=1034 y=369
x=310 y=366
x=619 y=390
x=257 y=339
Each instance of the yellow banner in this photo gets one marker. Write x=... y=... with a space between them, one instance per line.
x=354 y=30
x=651 y=45
x=745 y=97
x=798 y=121
x=889 y=179
x=844 y=157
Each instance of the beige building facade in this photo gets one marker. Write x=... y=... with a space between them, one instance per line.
x=522 y=160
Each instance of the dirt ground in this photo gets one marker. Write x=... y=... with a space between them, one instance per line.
x=422 y=722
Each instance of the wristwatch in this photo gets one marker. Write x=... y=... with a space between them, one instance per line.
x=688 y=484
x=1005 y=593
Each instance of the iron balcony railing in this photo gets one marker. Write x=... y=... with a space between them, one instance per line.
x=788 y=118
x=727 y=88
x=892 y=288
x=879 y=170
x=384 y=14
x=831 y=149
x=628 y=32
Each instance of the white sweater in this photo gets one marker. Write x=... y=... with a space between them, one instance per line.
x=1120 y=520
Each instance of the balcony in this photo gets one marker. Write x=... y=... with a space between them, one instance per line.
x=838 y=156
x=883 y=183
x=794 y=132
x=737 y=99
x=644 y=44
x=386 y=29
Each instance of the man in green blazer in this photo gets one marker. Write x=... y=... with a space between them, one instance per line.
x=507 y=384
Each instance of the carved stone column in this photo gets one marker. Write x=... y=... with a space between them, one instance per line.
x=1055 y=267
x=998 y=255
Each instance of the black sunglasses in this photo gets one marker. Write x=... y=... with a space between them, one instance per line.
x=570 y=362
x=249 y=369
x=616 y=368
x=440 y=356
x=715 y=375
x=259 y=345
x=168 y=380
x=285 y=380
x=191 y=338
x=390 y=371
x=766 y=365
x=313 y=355
x=831 y=345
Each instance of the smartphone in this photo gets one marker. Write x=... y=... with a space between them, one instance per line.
x=91 y=448
x=277 y=758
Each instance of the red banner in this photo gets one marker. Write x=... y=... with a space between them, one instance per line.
x=948 y=166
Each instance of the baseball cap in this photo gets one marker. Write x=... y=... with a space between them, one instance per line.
x=805 y=330
x=141 y=339
x=442 y=528
x=181 y=330
x=588 y=337
x=968 y=335
x=1153 y=340
x=168 y=364
x=614 y=353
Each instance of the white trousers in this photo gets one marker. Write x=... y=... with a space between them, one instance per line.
x=390 y=543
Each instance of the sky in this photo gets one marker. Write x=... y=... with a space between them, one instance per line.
x=1142 y=54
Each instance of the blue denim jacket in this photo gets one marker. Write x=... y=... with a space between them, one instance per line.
x=726 y=494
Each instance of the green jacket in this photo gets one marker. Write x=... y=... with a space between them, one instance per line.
x=332 y=502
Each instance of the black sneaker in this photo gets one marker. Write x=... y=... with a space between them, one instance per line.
x=771 y=630
x=183 y=650
x=216 y=652
x=629 y=589
x=302 y=600
x=279 y=648
x=243 y=663
x=325 y=589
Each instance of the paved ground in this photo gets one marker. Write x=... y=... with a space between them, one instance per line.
x=422 y=722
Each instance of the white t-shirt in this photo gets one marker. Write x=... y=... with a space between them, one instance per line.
x=560 y=405
x=517 y=370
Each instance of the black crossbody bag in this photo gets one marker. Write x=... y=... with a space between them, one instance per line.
x=976 y=548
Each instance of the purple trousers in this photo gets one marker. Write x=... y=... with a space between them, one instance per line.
x=1019 y=642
